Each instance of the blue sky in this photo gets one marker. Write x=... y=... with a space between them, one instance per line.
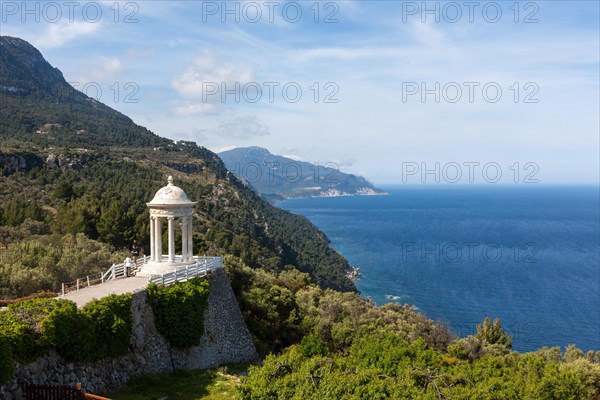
x=401 y=85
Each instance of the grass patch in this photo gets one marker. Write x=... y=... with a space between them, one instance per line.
x=214 y=384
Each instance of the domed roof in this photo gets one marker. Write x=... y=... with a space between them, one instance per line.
x=170 y=195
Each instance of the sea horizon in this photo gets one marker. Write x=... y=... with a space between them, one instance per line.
x=527 y=254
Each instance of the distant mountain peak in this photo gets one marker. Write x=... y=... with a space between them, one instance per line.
x=277 y=177
x=34 y=95
x=251 y=150
x=256 y=148
x=13 y=40
x=19 y=59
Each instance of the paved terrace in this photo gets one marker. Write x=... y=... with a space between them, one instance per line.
x=116 y=286
x=118 y=283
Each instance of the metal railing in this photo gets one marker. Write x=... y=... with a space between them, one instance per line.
x=116 y=271
x=81 y=283
x=203 y=266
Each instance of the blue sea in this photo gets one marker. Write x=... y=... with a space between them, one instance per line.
x=529 y=255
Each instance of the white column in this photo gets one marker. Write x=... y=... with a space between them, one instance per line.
x=171 y=240
x=184 y=239
x=190 y=244
x=158 y=240
x=152 y=249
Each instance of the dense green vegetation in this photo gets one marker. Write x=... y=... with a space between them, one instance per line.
x=179 y=310
x=345 y=347
x=281 y=308
x=102 y=195
x=102 y=328
x=42 y=262
x=382 y=365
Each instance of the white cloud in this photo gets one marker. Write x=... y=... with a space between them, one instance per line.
x=99 y=69
x=346 y=53
x=426 y=34
x=196 y=135
x=109 y=68
x=209 y=73
x=58 y=34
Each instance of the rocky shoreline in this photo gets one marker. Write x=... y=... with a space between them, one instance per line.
x=276 y=199
x=358 y=192
x=353 y=273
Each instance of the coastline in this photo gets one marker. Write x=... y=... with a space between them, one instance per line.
x=353 y=273
x=481 y=214
x=328 y=194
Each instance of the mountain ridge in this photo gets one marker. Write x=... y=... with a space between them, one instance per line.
x=73 y=165
x=42 y=107
x=277 y=177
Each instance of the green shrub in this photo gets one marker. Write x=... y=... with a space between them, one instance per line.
x=112 y=322
x=34 y=311
x=20 y=337
x=458 y=351
x=179 y=310
x=69 y=331
x=6 y=361
x=382 y=365
x=311 y=346
x=42 y=262
x=101 y=329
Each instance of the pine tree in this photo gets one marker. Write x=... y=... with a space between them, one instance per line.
x=493 y=333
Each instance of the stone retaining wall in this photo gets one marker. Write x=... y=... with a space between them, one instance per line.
x=226 y=340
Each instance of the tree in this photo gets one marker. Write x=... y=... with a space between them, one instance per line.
x=493 y=333
x=64 y=190
x=114 y=225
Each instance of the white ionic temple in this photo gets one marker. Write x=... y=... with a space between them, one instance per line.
x=172 y=206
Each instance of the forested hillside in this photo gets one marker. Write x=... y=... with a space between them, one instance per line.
x=102 y=193
x=71 y=166
x=331 y=345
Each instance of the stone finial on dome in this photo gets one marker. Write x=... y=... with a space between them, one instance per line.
x=170 y=180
